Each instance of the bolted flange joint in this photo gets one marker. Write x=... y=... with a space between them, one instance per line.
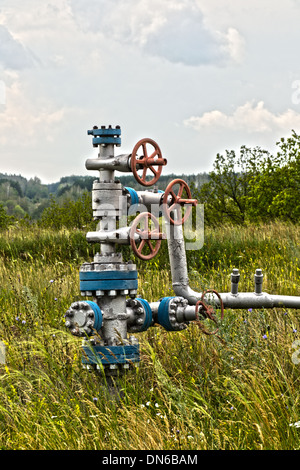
x=106 y=135
x=140 y=315
x=167 y=310
x=111 y=357
x=83 y=318
x=97 y=279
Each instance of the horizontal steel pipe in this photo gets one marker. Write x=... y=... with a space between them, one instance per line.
x=243 y=300
x=120 y=236
x=246 y=300
x=119 y=163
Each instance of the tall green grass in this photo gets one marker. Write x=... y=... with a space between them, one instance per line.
x=190 y=391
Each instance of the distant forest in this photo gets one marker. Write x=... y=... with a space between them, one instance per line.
x=248 y=186
x=21 y=197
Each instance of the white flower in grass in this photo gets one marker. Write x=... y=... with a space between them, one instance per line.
x=296 y=425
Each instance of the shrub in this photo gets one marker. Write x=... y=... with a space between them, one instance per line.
x=5 y=219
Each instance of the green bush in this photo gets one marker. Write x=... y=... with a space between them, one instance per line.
x=253 y=185
x=5 y=219
x=69 y=214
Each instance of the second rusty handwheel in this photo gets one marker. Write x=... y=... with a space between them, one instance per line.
x=177 y=195
x=142 y=235
x=150 y=158
x=208 y=311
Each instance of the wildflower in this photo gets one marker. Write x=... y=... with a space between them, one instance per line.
x=148 y=403
x=294 y=330
x=55 y=299
x=250 y=309
x=296 y=425
x=23 y=322
x=265 y=337
x=95 y=398
x=156 y=405
x=51 y=280
x=17 y=318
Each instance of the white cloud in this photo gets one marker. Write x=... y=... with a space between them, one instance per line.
x=234 y=45
x=173 y=30
x=29 y=123
x=250 y=118
x=13 y=54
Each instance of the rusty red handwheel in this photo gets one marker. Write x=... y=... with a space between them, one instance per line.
x=209 y=311
x=150 y=159
x=174 y=201
x=141 y=236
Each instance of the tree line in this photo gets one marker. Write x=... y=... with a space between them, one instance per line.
x=248 y=186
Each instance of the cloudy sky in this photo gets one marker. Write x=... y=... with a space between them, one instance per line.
x=197 y=76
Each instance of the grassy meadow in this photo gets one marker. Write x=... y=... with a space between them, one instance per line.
x=190 y=390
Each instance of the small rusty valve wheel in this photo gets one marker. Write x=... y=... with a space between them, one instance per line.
x=141 y=236
x=208 y=311
x=175 y=191
x=151 y=159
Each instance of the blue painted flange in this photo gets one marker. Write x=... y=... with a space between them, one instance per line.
x=113 y=284
x=106 y=140
x=148 y=315
x=106 y=355
x=107 y=275
x=105 y=131
x=163 y=314
x=98 y=314
x=133 y=195
x=105 y=136
x=108 y=280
